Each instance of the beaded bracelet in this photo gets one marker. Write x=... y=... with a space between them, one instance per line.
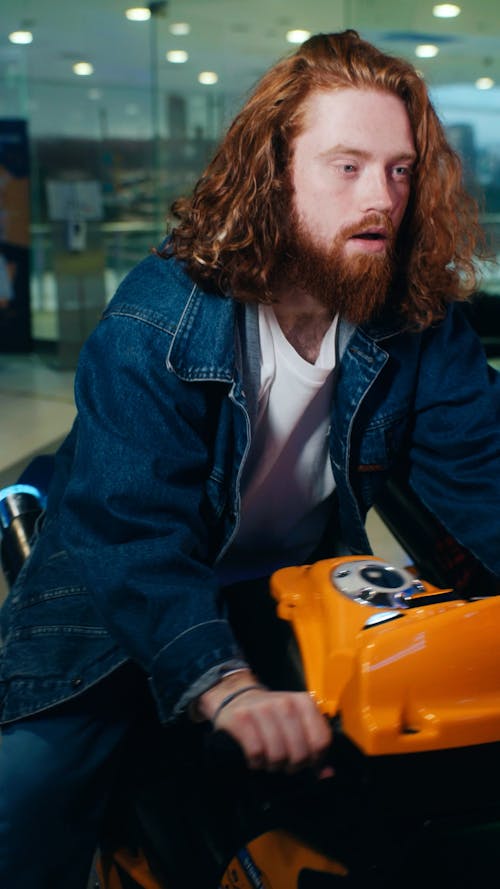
x=234 y=694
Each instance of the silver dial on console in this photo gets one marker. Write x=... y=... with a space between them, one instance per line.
x=371 y=582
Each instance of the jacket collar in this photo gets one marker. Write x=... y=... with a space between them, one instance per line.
x=195 y=356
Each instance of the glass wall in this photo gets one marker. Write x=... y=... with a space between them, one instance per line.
x=109 y=140
x=108 y=157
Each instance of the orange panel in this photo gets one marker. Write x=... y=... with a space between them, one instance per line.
x=428 y=680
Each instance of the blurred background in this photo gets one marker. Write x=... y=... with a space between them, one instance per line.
x=108 y=112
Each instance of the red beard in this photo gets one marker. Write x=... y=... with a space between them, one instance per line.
x=354 y=286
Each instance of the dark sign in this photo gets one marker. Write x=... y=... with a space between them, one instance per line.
x=15 y=328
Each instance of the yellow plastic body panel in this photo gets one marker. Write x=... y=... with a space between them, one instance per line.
x=275 y=860
x=428 y=680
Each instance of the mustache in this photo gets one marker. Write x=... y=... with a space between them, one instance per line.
x=371 y=220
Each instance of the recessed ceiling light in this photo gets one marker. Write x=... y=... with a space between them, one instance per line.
x=21 y=37
x=297 y=35
x=426 y=51
x=446 y=10
x=83 y=69
x=178 y=56
x=94 y=94
x=485 y=83
x=138 y=14
x=179 y=29
x=208 y=77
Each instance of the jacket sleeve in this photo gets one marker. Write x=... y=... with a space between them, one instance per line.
x=455 y=446
x=137 y=520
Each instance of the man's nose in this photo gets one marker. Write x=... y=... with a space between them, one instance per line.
x=379 y=194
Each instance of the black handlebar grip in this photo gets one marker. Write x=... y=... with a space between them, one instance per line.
x=222 y=752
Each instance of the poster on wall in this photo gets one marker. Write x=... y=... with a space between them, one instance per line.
x=15 y=328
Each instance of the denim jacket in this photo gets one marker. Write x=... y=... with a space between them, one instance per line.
x=146 y=494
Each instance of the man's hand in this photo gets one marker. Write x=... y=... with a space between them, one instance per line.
x=275 y=729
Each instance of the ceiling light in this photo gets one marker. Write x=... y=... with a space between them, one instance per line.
x=178 y=56
x=180 y=29
x=485 y=83
x=83 y=69
x=446 y=10
x=297 y=35
x=426 y=51
x=95 y=94
x=138 y=14
x=21 y=37
x=208 y=77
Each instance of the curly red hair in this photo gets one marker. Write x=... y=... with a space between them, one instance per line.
x=230 y=229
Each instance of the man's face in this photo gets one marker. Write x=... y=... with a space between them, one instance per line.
x=350 y=176
x=351 y=169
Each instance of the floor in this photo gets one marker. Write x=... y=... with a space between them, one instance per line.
x=37 y=409
x=36 y=405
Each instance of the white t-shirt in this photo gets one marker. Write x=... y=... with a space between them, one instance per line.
x=288 y=475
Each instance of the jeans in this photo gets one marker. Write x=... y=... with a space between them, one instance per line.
x=57 y=771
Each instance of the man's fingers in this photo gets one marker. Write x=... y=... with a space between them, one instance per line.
x=309 y=744
x=282 y=733
x=316 y=728
x=277 y=729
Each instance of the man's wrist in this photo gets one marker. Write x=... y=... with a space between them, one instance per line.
x=209 y=702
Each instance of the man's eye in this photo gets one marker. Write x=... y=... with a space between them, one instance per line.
x=347 y=168
x=402 y=172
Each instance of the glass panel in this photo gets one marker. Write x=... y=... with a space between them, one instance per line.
x=145 y=141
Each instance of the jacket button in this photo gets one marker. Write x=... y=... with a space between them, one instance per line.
x=76 y=682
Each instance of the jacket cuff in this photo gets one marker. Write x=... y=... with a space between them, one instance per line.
x=208 y=680
x=191 y=664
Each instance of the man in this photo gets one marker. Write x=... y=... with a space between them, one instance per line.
x=239 y=408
